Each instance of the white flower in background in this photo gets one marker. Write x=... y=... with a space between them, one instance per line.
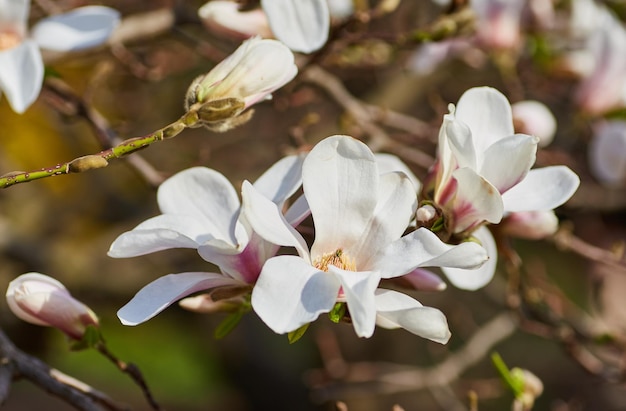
x=607 y=153
x=224 y=17
x=255 y=70
x=42 y=300
x=201 y=210
x=303 y=25
x=21 y=64
x=534 y=118
x=499 y=21
x=531 y=225
x=359 y=217
x=483 y=173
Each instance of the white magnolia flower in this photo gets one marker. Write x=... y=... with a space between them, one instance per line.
x=42 y=300
x=359 y=217
x=483 y=172
x=201 y=210
x=607 y=152
x=21 y=64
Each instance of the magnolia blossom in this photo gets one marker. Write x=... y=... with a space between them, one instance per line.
x=42 y=300
x=359 y=217
x=499 y=22
x=254 y=71
x=21 y=64
x=607 y=152
x=201 y=210
x=483 y=173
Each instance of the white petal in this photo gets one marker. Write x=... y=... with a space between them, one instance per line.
x=291 y=293
x=298 y=211
x=21 y=75
x=477 y=278
x=476 y=201
x=340 y=181
x=267 y=221
x=543 y=189
x=536 y=119
x=358 y=288
x=461 y=141
x=422 y=280
x=162 y=292
x=506 y=162
x=388 y=163
x=14 y=15
x=206 y=195
x=302 y=25
x=281 y=180
x=397 y=310
x=607 y=152
x=487 y=112
x=78 y=29
x=422 y=248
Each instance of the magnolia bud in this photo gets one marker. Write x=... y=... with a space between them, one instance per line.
x=607 y=153
x=224 y=17
x=42 y=300
x=250 y=74
x=534 y=118
x=531 y=225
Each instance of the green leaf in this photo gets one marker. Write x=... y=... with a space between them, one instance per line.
x=297 y=334
x=513 y=380
x=91 y=338
x=228 y=324
x=337 y=313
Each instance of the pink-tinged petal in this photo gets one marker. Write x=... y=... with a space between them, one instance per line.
x=291 y=293
x=506 y=162
x=396 y=206
x=461 y=141
x=31 y=282
x=487 y=112
x=281 y=180
x=479 y=277
x=422 y=248
x=164 y=291
x=340 y=182
x=268 y=222
x=21 y=75
x=531 y=225
x=535 y=118
x=607 y=153
x=14 y=16
x=358 y=288
x=476 y=201
x=302 y=25
x=388 y=163
x=422 y=280
x=397 y=310
x=78 y=29
x=206 y=195
x=159 y=233
x=543 y=189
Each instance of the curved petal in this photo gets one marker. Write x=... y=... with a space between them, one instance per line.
x=396 y=206
x=461 y=141
x=422 y=248
x=78 y=29
x=543 y=189
x=388 y=163
x=397 y=310
x=476 y=201
x=421 y=280
x=162 y=292
x=340 y=182
x=488 y=114
x=267 y=221
x=298 y=211
x=302 y=25
x=358 y=288
x=290 y=293
x=21 y=75
x=31 y=282
x=205 y=194
x=506 y=162
x=479 y=277
x=281 y=180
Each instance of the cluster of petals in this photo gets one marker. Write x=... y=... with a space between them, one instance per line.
x=21 y=63
x=360 y=215
x=42 y=300
x=483 y=173
x=201 y=210
x=303 y=25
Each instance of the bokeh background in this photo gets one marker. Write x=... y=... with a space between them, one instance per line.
x=63 y=226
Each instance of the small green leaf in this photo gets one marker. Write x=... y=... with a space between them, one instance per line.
x=511 y=379
x=337 y=313
x=297 y=334
x=228 y=324
x=438 y=225
x=90 y=339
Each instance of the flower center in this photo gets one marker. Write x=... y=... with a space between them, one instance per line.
x=9 y=39
x=337 y=258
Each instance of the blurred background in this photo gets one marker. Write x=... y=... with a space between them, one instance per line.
x=63 y=226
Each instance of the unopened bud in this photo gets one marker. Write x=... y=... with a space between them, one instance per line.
x=531 y=225
x=42 y=300
x=534 y=118
x=425 y=213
